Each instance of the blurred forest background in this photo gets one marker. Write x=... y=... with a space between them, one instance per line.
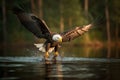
x=61 y=15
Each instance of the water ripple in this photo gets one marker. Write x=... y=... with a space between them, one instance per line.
x=65 y=59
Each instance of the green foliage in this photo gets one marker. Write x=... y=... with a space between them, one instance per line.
x=72 y=12
x=71 y=9
x=16 y=32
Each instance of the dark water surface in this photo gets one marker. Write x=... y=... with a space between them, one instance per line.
x=26 y=63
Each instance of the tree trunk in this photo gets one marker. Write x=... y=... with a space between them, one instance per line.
x=4 y=22
x=87 y=38
x=70 y=21
x=61 y=24
x=36 y=7
x=86 y=7
x=108 y=28
x=117 y=37
x=40 y=12
x=107 y=22
x=116 y=33
x=61 y=17
x=33 y=6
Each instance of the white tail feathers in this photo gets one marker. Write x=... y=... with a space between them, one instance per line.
x=42 y=48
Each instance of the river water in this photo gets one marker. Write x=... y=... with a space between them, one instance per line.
x=74 y=63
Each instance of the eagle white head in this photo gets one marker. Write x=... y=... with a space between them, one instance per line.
x=57 y=38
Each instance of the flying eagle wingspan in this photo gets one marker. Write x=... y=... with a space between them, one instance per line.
x=35 y=25
x=39 y=28
x=74 y=33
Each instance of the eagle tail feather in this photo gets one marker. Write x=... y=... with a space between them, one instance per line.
x=41 y=47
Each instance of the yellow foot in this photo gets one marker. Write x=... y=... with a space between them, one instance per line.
x=46 y=55
x=55 y=55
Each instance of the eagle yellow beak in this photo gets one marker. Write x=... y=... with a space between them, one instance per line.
x=60 y=39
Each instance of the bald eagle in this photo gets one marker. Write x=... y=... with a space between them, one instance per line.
x=39 y=28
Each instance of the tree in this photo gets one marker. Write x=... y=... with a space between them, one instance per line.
x=4 y=22
x=61 y=17
x=33 y=6
x=40 y=13
x=36 y=8
x=107 y=22
x=108 y=28
x=86 y=5
x=114 y=15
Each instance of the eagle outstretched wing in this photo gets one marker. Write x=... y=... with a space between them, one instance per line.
x=35 y=25
x=72 y=34
x=42 y=26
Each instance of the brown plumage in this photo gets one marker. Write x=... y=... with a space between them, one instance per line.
x=74 y=33
x=39 y=28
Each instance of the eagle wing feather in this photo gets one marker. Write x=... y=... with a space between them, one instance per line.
x=75 y=33
x=35 y=25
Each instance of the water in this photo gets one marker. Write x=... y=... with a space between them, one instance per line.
x=26 y=63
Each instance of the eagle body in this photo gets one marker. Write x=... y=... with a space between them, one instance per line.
x=39 y=28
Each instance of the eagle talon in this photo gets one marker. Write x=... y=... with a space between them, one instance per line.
x=46 y=56
x=55 y=55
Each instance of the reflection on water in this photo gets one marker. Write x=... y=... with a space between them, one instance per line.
x=29 y=68
x=77 y=64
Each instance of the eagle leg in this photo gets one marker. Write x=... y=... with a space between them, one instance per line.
x=56 y=52
x=46 y=56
